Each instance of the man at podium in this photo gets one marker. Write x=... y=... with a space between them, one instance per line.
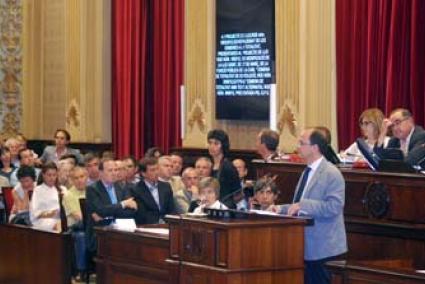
x=320 y=193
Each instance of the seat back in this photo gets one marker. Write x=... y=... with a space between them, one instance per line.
x=83 y=210
x=8 y=200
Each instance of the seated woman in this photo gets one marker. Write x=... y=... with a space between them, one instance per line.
x=370 y=122
x=265 y=193
x=44 y=206
x=209 y=192
x=21 y=196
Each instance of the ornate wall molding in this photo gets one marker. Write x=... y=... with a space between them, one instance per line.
x=10 y=66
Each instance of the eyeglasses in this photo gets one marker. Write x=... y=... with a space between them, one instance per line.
x=302 y=143
x=397 y=122
x=365 y=123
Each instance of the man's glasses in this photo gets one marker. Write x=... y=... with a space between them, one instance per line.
x=397 y=122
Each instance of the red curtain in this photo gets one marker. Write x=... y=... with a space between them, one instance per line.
x=380 y=60
x=147 y=72
x=167 y=71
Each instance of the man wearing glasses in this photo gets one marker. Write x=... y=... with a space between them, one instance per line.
x=320 y=193
x=406 y=135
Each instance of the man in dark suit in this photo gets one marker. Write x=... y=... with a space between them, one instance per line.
x=320 y=193
x=105 y=201
x=154 y=198
x=267 y=143
x=406 y=136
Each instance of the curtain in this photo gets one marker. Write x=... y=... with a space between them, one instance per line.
x=129 y=50
x=147 y=73
x=380 y=60
x=167 y=71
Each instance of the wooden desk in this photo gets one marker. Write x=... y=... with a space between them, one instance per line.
x=384 y=212
x=126 y=257
x=29 y=256
x=366 y=272
x=239 y=251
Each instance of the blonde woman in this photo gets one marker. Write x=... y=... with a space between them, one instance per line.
x=370 y=122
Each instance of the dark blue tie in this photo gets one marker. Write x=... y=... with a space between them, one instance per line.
x=302 y=185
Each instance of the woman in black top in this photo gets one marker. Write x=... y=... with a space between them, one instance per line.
x=223 y=169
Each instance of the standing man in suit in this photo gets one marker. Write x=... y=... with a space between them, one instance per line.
x=406 y=135
x=320 y=193
x=105 y=201
x=154 y=197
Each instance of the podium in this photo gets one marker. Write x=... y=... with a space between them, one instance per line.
x=246 y=248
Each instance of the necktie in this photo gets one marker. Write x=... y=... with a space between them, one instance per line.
x=112 y=194
x=302 y=185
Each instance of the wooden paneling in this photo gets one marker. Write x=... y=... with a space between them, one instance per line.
x=30 y=256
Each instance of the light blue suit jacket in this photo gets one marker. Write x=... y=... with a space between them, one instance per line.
x=324 y=199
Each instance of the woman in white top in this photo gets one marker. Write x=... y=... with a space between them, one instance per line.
x=45 y=207
x=209 y=192
x=370 y=123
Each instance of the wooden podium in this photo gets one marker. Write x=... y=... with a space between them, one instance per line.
x=249 y=248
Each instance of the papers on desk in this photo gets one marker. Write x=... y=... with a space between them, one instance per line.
x=159 y=231
x=128 y=225
x=263 y=212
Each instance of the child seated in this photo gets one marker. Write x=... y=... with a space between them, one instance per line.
x=209 y=193
x=265 y=193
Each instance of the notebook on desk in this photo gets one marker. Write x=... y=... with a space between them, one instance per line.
x=385 y=165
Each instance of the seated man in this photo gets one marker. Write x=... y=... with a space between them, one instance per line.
x=21 y=201
x=166 y=173
x=407 y=136
x=241 y=198
x=265 y=193
x=26 y=158
x=133 y=176
x=177 y=162
x=91 y=162
x=105 y=201
x=71 y=205
x=267 y=143
x=189 y=193
x=154 y=197
x=204 y=167
x=209 y=193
